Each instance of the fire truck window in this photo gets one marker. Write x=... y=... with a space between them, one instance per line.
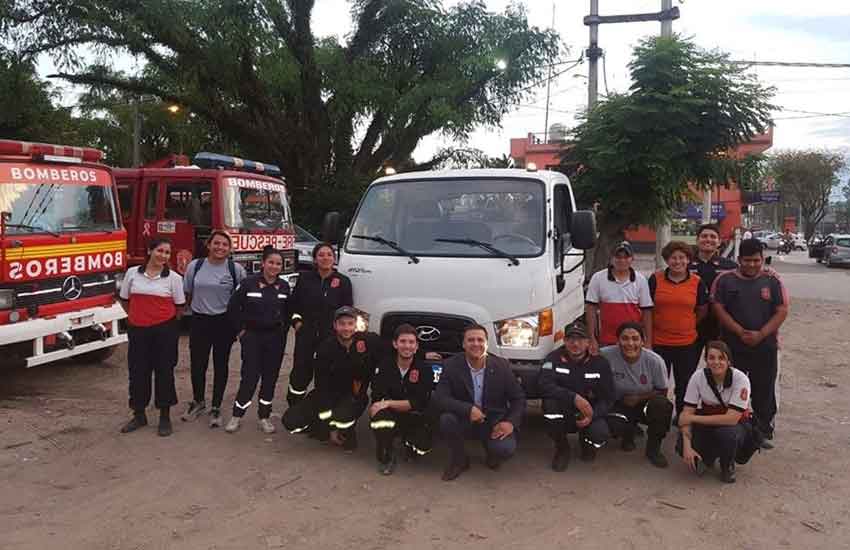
x=150 y=203
x=125 y=197
x=191 y=202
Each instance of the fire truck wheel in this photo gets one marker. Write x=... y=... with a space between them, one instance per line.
x=96 y=356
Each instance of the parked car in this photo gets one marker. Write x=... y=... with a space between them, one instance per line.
x=771 y=240
x=837 y=250
x=304 y=243
x=800 y=242
x=817 y=246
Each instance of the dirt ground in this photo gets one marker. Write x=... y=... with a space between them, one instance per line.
x=68 y=479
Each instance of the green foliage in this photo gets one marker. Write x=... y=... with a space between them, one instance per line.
x=806 y=178
x=635 y=153
x=325 y=111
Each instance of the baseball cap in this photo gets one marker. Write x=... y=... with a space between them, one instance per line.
x=345 y=311
x=576 y=328
x=624 y=246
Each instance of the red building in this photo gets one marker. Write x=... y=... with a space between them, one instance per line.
x=726 y=202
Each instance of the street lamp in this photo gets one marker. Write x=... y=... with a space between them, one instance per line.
x=501 y=64
x=174 y=109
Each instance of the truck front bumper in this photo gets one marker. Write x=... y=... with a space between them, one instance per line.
x=36 y=330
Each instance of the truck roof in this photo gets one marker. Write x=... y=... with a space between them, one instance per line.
x=546 y=176
x=190 y=171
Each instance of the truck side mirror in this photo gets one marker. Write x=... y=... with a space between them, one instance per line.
x=330 y=227
x=583 y=230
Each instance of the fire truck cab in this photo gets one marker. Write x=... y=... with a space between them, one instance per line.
x=63 y=254
x=185 y=204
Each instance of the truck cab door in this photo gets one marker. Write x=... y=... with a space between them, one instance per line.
x=147 y=202
x=185 y=218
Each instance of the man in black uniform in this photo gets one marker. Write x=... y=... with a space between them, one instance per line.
x=578 y=391
x=708 y=264
x=401 y=390
x=345 y=364
x=318 y=294
x=751 y=305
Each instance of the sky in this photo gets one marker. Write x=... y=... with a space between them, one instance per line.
x=762 y=30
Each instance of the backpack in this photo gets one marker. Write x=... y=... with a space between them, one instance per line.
x=231 y=267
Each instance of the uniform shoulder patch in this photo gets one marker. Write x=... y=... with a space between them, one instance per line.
x=361 y=346
x=335 y=282
x=413 y=376
x=744 y=394
x=765 y=293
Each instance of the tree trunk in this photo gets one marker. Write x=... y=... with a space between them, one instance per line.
x=610 y=235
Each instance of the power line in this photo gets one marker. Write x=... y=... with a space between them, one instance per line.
x=575 y=64
x=795 y=64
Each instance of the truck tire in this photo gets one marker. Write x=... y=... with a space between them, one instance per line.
x=96 y=356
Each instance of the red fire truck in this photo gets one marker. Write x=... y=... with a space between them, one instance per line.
x=185 y=204
x=63 y=254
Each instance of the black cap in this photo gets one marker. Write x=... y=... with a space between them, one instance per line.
x=576 y=328
x=624 y=246
x=345 y=311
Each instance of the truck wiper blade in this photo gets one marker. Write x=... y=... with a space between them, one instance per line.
x=392 y=244
x=92 y=228
x=33 y=228
x=486 y=246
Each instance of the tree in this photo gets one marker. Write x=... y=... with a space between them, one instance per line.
x=807 y=178
x=330 y=113
x=634 y=154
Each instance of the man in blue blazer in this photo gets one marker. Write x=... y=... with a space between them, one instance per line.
x=478 y=397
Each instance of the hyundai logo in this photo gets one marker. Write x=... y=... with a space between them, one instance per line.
x=427 y=333
x=72 y=288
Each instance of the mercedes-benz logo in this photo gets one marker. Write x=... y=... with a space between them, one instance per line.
x=72 y=288
x=427 y=333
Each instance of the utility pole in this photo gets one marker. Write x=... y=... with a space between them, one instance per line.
x=137 y=134
x=594 y=52
x=664 y=232
x=548 y=88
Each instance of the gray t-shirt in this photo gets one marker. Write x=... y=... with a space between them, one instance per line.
x=647 y=374
x=212 y=286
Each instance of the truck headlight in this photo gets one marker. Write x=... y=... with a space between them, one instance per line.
x=362 y=321
x=7 y=299
x=524 y=331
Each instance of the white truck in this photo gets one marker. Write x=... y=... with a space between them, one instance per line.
x=441 y=250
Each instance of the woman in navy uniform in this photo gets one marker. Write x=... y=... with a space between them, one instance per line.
x=401 y=391
x=716 y=402
x=259 y=311
x=318 y=294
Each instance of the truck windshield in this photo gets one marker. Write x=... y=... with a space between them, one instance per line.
x=57 y=208
x=256 y=207
x=444 y=217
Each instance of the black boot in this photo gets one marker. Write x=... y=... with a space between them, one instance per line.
x=139 y=420
x=653 y=451
x=727 y=472
x=164 y=428
x=561 y=460
x=628 y=442
x=588 y=451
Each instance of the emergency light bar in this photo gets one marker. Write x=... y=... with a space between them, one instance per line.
x=213 y=160
x=59 y=153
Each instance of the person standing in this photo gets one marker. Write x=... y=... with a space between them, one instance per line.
x=578 y=392
x=708 y=264
x=152 y=294
x=345 y=365
x=717 y=399
x=401 y=391
x=640 y=386
x=318 y=294
x=681 y=302
x=259 y=311
x=751 y=305
x=617 y=295
x=478 y=397
x=209 y=284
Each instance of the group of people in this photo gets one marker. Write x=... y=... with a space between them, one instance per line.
x=604 y=382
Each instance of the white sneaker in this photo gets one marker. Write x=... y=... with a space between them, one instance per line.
x=266 y=426
x=233 y=424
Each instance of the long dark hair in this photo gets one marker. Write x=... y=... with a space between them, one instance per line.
x=152 y=245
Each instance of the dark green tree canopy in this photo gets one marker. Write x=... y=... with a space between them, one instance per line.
x=635 y=153
x=324 y=110
x=806 y=179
